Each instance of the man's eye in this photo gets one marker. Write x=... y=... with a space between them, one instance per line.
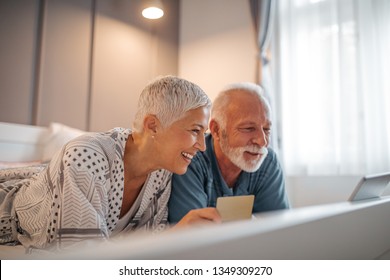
x=246 y=129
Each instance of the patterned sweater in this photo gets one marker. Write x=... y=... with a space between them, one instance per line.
x=78 y=195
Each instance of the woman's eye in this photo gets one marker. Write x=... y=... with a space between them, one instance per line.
x=196 y=131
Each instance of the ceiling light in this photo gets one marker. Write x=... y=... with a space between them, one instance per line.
x=153 y=9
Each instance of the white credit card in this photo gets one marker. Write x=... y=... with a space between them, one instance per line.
x=232 y=208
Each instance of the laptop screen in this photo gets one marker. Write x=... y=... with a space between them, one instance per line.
x=370 y=186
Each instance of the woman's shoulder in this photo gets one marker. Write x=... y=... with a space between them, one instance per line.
x=102 y=142
x=117 y=133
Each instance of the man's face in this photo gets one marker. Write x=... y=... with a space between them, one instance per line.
x=247 y=132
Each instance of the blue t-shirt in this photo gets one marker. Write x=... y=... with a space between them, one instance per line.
x=202 y=184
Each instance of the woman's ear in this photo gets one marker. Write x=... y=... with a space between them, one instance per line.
x=151 y=124
x=214 y=129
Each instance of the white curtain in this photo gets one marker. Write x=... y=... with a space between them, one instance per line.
x=333 y=82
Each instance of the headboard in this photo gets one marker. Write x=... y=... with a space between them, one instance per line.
x=27 y=143
x=22 y=143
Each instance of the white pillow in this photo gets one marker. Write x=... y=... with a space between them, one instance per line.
x=59 y=135
x=9 y=164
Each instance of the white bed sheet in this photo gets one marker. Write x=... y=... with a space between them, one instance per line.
x=12 y=252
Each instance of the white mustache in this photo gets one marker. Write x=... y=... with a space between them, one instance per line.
x=256 y=150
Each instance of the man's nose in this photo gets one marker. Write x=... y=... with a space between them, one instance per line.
x=261 y=138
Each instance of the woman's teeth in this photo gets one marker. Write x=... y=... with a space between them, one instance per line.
x=187 y=155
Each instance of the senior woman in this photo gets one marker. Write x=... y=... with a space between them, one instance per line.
x=102 y=184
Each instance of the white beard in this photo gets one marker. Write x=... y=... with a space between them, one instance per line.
x=236 y=155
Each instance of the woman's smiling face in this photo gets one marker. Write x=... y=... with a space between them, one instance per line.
x=179 y=142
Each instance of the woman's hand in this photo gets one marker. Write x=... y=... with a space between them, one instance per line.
x=203 y=216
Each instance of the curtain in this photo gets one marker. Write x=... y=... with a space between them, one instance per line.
x=263 y=13
x=332 y=76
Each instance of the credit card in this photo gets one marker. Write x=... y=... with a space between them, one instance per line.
x=232 y=208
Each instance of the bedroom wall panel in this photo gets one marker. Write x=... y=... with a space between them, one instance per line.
x=217 y=43
x=82 y=63
x=66 y=46
x=18 y=29
x=129 y=51
x=121 y=64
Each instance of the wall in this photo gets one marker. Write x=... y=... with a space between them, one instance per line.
x=217 y=43
x=63 y=82
x=17 y=56
x=129 y=51
x=81 y=62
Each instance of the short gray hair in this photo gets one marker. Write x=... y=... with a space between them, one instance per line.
x=218 y=111
x=168 y=98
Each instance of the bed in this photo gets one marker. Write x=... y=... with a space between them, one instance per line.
x=342 y=230
x=22 y=145
x=28 y=147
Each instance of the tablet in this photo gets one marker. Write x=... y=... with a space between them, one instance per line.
x=370 y=186
x=232 y=208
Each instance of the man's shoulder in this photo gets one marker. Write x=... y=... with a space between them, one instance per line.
x=272 y=154
x=201 y=160
x=271 y=162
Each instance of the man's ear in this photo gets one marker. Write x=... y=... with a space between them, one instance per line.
x=214 y=129
x=151 y=124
